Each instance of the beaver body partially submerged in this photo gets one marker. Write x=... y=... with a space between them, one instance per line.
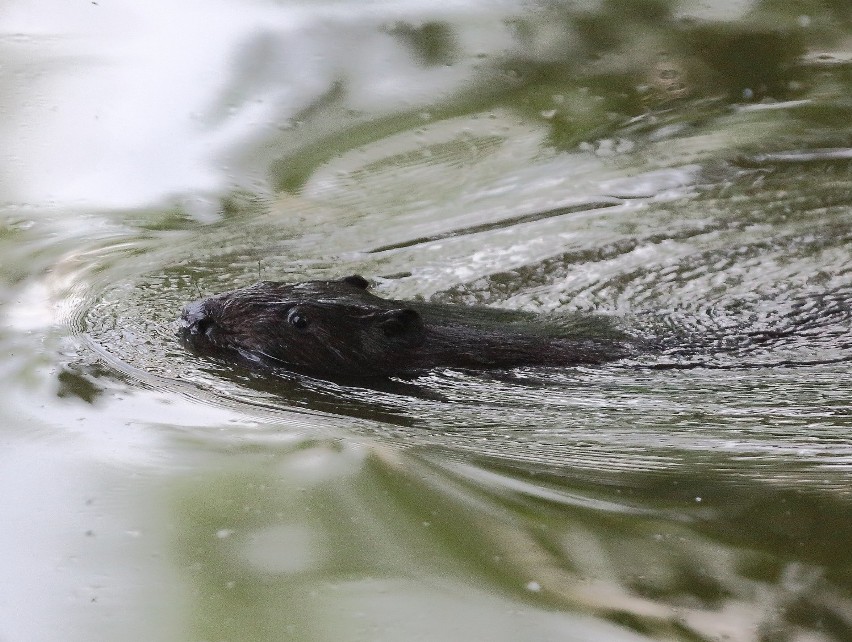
x=339 y=329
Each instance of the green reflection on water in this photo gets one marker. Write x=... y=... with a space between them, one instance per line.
x=613 y=506
x=583 y=72
x=275 y=542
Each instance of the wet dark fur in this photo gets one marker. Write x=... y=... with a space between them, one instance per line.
x=339 y=329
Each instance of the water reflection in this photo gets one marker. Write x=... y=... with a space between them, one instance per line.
x=337 y=546
x=682 y=169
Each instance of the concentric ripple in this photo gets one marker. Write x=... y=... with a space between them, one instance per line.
x=742 y=308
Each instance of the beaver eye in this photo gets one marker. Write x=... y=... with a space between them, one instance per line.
x=297 y=319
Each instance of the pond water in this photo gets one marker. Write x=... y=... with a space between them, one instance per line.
x=683 y=168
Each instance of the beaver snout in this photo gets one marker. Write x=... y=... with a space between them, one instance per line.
x=194 y=319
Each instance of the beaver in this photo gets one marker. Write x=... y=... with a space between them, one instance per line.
x=338 y=329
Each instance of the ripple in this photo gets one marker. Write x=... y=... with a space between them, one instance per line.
x=739 y=289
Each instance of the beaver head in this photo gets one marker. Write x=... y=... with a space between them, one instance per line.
x=321 y=327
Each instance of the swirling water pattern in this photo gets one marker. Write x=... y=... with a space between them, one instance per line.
x=698 y=490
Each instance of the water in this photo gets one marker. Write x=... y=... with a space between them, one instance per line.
x=685 y=170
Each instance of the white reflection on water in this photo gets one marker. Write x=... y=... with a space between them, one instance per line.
x=115 y=94
x=80 y=552
x=108 y=501
x=120 y=104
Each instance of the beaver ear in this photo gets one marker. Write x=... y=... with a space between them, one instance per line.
x=357 y=280
x=404 y=324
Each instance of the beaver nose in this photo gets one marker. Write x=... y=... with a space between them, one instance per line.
x=194 y=318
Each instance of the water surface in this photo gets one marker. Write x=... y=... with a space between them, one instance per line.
x=684 y=170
